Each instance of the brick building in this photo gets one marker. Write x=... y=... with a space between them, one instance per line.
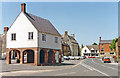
x=32 y=39
x=104 y=48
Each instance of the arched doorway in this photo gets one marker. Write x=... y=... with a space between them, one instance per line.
x=14 y=56
x=57 y=57
x=42 y=56
x=51 y=57
x=28 y=56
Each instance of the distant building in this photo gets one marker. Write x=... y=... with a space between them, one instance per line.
x=0 y=46
x=71 y=44
x=3 y=49
x=35 y=38
x=90 y=51
x=65 y=49
x=104 y=48
x=117 y=48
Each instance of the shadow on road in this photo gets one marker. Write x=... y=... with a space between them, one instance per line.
x=60 y=64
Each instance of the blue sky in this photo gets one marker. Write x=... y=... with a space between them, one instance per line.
x=87 y=20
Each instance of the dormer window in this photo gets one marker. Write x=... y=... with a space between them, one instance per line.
x=13 y=36
x=30 y=35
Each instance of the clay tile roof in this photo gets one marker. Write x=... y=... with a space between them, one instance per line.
x=42 y=25
x=106 y=41
x=95 y=47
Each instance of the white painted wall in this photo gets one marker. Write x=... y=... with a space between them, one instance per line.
x=21 y=27
x=83 y=51
x=50 y=42
x=88 y=51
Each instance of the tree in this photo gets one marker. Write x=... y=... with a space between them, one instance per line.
x=112 y=46
x=80 y=51
x=94 y=44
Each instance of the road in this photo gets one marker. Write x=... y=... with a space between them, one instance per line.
x=87 y=67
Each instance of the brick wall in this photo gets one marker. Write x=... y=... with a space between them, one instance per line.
x=36 y=55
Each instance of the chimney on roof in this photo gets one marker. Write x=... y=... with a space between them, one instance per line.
x=5 y=30
x=73 y=35
x=99 y=39
x=23 y=7
x=66 y=32
x=82 y=46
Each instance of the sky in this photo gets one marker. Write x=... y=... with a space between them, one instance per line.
x=87 y=20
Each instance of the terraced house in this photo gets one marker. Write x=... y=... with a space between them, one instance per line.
x=32 y=39
x=104 y=48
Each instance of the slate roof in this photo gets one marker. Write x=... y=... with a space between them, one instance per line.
x=95 y=47
x=42 y=25
x=71 y=37
x=106 y=41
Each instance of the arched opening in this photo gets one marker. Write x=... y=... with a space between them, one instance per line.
x=28 y=56
x=14 y=56
x=51 y=57
x=57 y=57
x=42 y=56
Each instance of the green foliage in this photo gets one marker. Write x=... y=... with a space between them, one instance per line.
x=80 y=51
x=94 y=44
x=112 y=46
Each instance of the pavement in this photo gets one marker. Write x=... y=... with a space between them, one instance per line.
x=87 y=67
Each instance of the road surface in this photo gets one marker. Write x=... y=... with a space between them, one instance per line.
x=87 y=67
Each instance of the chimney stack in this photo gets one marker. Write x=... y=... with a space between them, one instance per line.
x=82 y=46
x=23 y=7
x=100 y=38
x=5 y=30
x=73 y=35
x=66 y=32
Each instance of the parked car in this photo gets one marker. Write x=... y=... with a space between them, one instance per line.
x=107 y=60
x=82 y=57
x=66 y=57
x=72 y=57
x=91 y=56
x=76 y=57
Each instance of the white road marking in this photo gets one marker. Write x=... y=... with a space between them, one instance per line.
x=65 y=74
x=105 y=66
x=91 y=68
x=77 y=64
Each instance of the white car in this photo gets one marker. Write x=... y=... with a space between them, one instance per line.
x=76 y=57
x=72 y=57
x=66 y=57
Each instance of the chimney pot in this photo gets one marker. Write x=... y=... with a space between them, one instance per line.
x=6 y=28
x=100 y=38
x=73 y=35
x=66 y=32
x=23 y=7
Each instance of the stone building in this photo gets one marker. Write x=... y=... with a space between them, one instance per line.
x=32 y=39
x=73 y=46
x=104 y=48
x=117 y=48
x=3 y=49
